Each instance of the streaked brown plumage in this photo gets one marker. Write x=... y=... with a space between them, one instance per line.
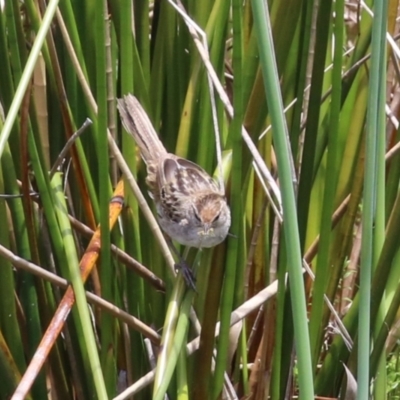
x=191 y=207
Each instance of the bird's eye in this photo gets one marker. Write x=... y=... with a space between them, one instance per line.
x=197 y=216
x=216 y=217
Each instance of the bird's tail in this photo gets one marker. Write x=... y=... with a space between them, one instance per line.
x=137 y=123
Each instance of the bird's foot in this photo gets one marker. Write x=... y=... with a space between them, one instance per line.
x=187 y=273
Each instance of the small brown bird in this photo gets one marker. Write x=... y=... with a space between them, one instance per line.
x=191 y=207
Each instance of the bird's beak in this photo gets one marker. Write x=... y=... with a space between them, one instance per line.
x=207 y=230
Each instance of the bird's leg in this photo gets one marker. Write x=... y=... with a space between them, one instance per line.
x=187 y=274
x=182 y=265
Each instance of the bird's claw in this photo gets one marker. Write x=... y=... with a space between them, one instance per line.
x=187 y=274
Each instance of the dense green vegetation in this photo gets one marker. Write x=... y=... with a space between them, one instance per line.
x=294 y=108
